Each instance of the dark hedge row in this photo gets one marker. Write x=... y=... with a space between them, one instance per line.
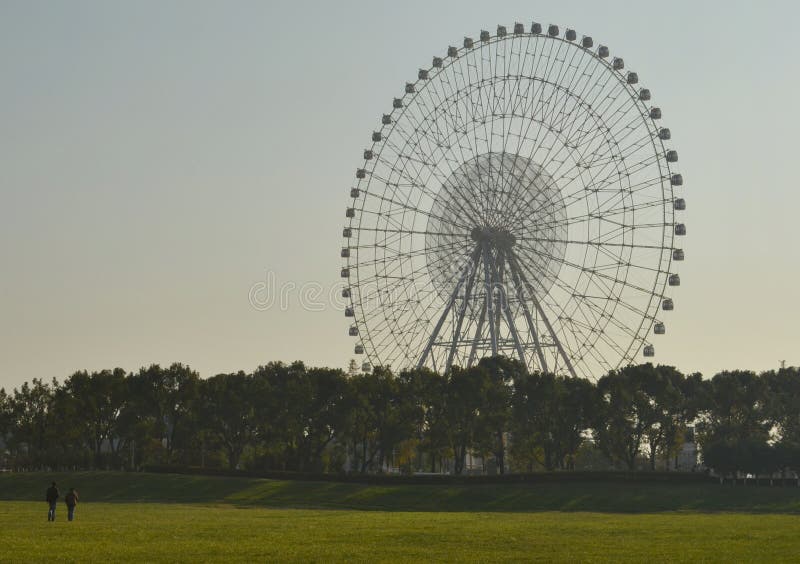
x=444 y=479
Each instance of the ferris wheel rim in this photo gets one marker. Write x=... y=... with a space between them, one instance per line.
x=659 y=283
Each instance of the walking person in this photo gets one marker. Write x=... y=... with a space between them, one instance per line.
x=52 y=496
x=71 y=499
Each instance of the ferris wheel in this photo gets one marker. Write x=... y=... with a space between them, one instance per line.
x=520 y=197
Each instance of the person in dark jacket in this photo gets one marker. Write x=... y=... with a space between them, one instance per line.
x=71 y=499
x=52 y=496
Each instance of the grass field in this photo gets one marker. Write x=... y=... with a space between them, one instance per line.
x=147 y=517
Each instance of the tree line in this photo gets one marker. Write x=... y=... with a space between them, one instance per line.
x=290 y=417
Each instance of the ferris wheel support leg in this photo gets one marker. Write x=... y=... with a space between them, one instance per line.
x=441 y=321
x=538 y=306
x=509 y=317
x=531 y=326
x=473 y=272
x=489 y=290
x=474 y=350
x=497 y=273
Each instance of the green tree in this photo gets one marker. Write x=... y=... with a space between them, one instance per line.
x=6 y=420
x=5 y=414
x=31 y=419
x=170 y=396
x=645 y=406
x=626 y=413
x=425 y=392
x=227 y=411
x=735 y=423
x=672 y=400
x=782 y=406
x=301 y=412
x=736 y=408
x=722 y=456
x=323 y=415
x=466 y=393
x=361 y=423
x=379 y=417
x=94 y=403
x=496 y=410
x=550 y=415
x=787 y=456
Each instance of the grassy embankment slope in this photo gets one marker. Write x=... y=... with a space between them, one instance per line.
x=606 y=497
x=149 y=517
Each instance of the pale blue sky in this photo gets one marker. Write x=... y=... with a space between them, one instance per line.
x=158 y=158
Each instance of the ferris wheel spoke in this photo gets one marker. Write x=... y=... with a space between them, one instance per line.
x=591 y=83
x=604 y=161
x=618 y=154
x=615 y=205
x=410 y=167
x=405 y=231
x=613 y=96
x=400 y=208
x=408 y=256
x=474 y=210
x=617 y=300
x=517 y=99
x=569 y=291
x=593 y=271
x=600 y=313
x=457 y=72
x=564 y=160
x=588 y=114
x=450 y=262
x=416 y=149
x=625 y=304
x=611 y=165
x=589 y=243
x=594 y=351
x=481 y=106
x=611 y=192
x=601 y=130
x=605 y=158
x=618 y=325
x=535 y=58
x=538 y=101
x=509 y=106
x=555 y=110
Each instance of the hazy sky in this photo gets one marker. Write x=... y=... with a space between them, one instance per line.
x=158 y=159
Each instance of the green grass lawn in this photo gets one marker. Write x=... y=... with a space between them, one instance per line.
x=149 y=517
x=195 y=533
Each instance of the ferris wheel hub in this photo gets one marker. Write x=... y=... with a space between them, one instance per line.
x=498 y=238
x=504 y=202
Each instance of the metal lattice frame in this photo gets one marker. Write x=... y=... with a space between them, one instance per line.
x=518 y=200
